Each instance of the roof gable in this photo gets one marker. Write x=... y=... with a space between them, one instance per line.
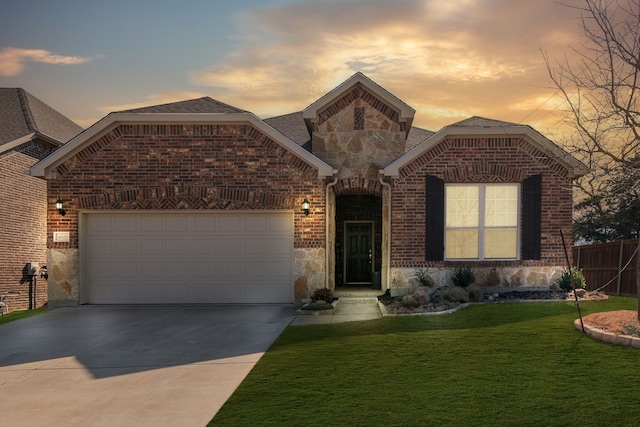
x=482 y=127
x=182 y=113
x=22 y=114
x=320 y=109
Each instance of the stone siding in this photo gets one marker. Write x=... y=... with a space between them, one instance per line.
x=488 y=277
x=358 y=153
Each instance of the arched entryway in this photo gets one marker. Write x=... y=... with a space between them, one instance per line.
x=358 y=240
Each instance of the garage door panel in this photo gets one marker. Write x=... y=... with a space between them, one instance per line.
x=124 y=224
x=228 y=269
x=176 y=246
x=126 y=270
x=279 y=246
x=175 y=224
x=229 y=247
x=256 y=247
x=150 y=246
x=209 y=257
x=205 y=223
x=125 y=246
x=230 y=224
x=101 y=224
x=151 y=223
x=101 y=270
x=204 y=246
x=100 y=247
x=150 y=268
x=176 y=269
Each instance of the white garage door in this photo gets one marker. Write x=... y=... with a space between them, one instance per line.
x=221 y=257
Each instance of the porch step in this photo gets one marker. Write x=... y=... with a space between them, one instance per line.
x=358 y=300
x=357 y=293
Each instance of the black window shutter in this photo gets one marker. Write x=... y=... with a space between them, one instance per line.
x=434 y=218
x=531 y=217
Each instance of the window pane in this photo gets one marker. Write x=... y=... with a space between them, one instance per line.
x=500 y=243
x=461 y=244
x=501 y=206
x=462 y=205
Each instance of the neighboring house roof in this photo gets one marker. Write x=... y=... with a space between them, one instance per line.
x=24 y=117
x=184 y=112
x=483 y=127
x=406 y=113
x=292 y=126
x=199 y=105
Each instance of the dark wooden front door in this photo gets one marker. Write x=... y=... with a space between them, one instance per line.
x=359 y=252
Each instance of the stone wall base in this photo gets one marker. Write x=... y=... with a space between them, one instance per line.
x=64 y=284
x=309 y=271
x=489 y=277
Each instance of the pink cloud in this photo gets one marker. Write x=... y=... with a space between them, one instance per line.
x=12 y=60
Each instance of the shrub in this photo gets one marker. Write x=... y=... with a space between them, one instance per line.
x=475 y=292
x=463 y=277
x=564 y=281
x=424 y=278
x=440 y=295
x=449 y=294
x=322 y=294
x=458 y=294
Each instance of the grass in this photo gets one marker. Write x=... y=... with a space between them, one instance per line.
x=21 y=314
x=494 y=364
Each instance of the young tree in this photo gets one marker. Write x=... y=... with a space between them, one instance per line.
x=602 y=90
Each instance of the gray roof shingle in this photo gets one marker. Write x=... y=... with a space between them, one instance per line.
x=292 y=126
x=477 y=121
x=416 y=136
x=192 y=106
x=22 y=114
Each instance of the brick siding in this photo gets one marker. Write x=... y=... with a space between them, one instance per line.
x=165 y=167
x=478 y=160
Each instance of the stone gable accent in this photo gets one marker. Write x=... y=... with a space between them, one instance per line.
x=358 y=153
x=360 y=92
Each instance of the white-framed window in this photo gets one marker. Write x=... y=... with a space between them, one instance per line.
x=482 y=221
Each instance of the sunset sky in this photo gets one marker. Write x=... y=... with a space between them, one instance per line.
x=448 y=59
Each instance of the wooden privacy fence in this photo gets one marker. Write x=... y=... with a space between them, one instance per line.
x=601 y=263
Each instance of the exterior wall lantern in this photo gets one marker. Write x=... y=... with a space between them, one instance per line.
x=305 y=206
x=59 y=207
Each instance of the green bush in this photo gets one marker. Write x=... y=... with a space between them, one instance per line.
x=463 y=277
x=564 y=281
x=476 y=294
x=424 y=278
x=322 y=294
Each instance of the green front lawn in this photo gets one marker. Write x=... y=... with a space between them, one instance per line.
x=487 y=365
x=21 y=314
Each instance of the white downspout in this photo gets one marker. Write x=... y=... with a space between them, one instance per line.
x=326 y=228
x=388 y=257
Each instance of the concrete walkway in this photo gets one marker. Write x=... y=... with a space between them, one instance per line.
x=353 y=305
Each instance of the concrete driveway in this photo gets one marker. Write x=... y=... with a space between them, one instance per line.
x=131 y=365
